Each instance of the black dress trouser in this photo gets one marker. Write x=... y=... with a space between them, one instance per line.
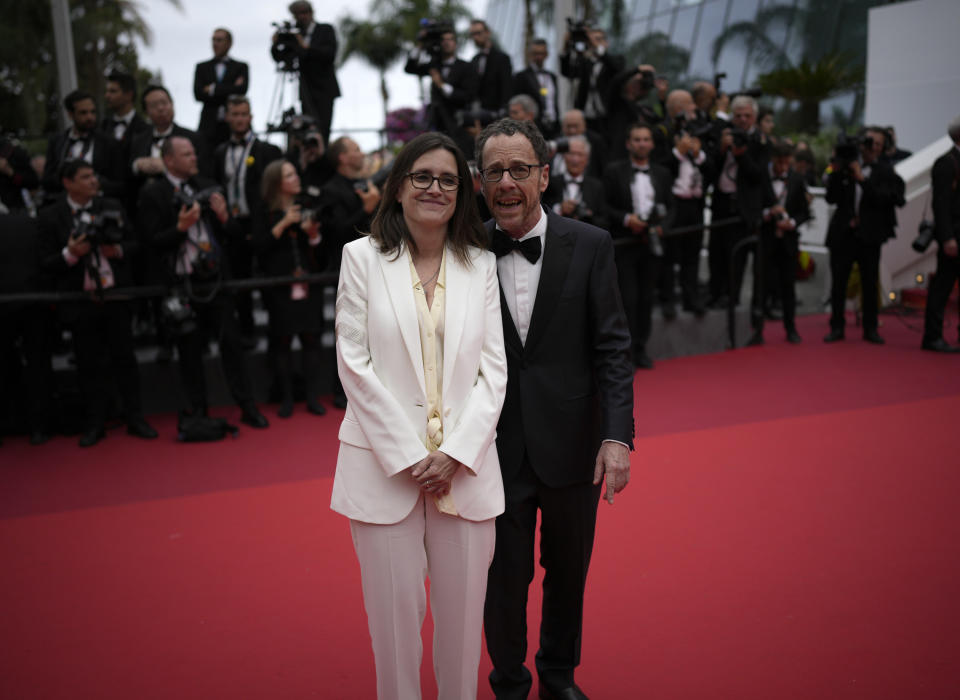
x=948 y=270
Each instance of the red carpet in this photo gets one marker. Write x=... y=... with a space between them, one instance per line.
x=790 y=532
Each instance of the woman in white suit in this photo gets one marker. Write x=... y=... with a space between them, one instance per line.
x=420 y=354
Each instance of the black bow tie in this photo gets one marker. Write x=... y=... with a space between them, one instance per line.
x=645 y=170
x=79 y=210
x=119 y=122
x=574 y=181
x=160 y=139
x=78 y=139
x=781 y=178
x=504 y=244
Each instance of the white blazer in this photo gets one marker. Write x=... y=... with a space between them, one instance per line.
x=380 y=361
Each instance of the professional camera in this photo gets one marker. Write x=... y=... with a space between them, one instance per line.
x=202 y=197
x=741 y=137
x=656 y=218
x=847 y=150
x=579 y=31
x=648 y=80
x=287 y=32
x=925 y=236
x=698 y=128
x=294 y=125
x=582 y=212
x=431 y=36
x=177 y=314
x=103 y=228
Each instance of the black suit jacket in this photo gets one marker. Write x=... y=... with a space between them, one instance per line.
x=795 y=202
x=579 y=67
x=24 y=176
x=592 y=196
x=157 y=226
x=317 y=62
x=617 y=180
x=343 y=217
x=754 y=192
x=571 y=385
x=493 y=86
x=142 y=146
x=883 y=192
x=55 y=227
x=138 y=125
x=206 y=74
x=106 y=163
x=443 y=108
x=945 y=181
x=525 y=82
x=263 y=154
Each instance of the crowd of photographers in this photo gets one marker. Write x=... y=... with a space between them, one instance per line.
x=124 y=201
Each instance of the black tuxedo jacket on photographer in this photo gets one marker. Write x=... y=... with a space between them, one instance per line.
x=105 y=160
x=262 y=154
x=142 y=147
x=493 y=85
x=794 y=201
x=752 y=180
x=526 y=82
x=443 y=108
x=579 y=67
x=212 y=126
x=882 y=192
x=617 y=181
x=138 y=125
x=157 y=212
x=318 y=79
x=343 y=217
x=592 y=196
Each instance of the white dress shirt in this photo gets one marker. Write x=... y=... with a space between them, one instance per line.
x=689 y=182
x=642 y=194
x=520 y=278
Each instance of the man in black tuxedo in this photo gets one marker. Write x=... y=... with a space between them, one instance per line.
x=945 y=183
x=16 y=175
x=124 y=123
x=493 y=68
x=573 y=123
x=576 y=194
x=453 y=86
x=145 y=159
x=238 y=167
x=82 y=141
x=593 y=68
x=190 y=243
x=638 y=204
x=628 y=103
x=313 y=52
x=540 y=84
x=866 y=192
x=567 y=419
x=213 y=82
x=742 y=189
x=781 y=237
x=85 y=246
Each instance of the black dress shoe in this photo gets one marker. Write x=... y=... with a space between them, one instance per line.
x=91 y=437
x=138 y=427
x=873 y=337
x=340 y=401
x=571 y=693
x=793 y=336
x=641 y=360
x=755 y=340
x=39 y=437
x=251 y=416
x=939 y=345
x=286 y=409
x=833 y=336
x=696 y=309
x=316 y=408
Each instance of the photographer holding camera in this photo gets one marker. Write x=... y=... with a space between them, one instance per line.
x=84 y=246
x=866 y=191
x=575 y=193
x=628 y=104
x=586 y=59
x=453 y=82
x=183 y=218
x=310 y=49
x=945 y=183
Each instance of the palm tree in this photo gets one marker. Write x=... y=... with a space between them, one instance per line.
x=380 y=44
x=670 y=60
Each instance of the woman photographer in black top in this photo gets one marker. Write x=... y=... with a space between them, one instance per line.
x=287 y=240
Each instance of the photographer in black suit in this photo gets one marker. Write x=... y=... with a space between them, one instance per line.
x=238 y=168
x=590 y=63
x=945 y=183
x=575 y=193
x=312 y=51
x=189 y=239
x=16 y=175
x=866 y=191
x=124 y=123
x=214 y=81
x=540 y=84
x=85 y=246
x=493 y=68
x=82 y=141
x=638 y=204
x=453 y=82
x=781 y=237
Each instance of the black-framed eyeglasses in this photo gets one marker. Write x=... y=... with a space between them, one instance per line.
x=424 y=181
x=520 y=171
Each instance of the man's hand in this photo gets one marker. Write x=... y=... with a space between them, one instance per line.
x=567 y=207
x=613 y=460
x=218 y=204
x=111 y=250
x=149 y=166
x=78 y=246
x=683 y=143
x=855 y=171
x=437 y=77
x=950 y=248
x=370 y=198
x=636 y=224
x=188 y=217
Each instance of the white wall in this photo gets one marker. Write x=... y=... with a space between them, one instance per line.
x=913 y=69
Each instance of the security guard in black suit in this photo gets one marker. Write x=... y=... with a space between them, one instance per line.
x=214 y=81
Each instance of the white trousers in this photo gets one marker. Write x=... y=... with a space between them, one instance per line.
x=394 y=563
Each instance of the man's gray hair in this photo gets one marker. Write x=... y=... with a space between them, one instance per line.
x=510 y=127
x=529 y=105
x=743 y=100
x=953 y=128
x=580 y=138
